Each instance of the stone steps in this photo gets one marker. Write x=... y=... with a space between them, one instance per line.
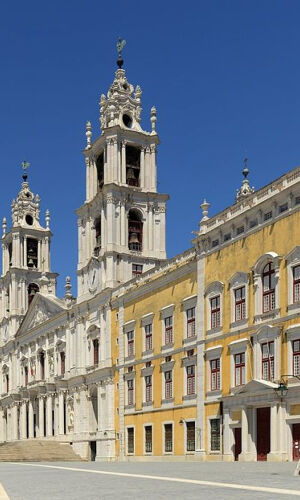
x=35 y=451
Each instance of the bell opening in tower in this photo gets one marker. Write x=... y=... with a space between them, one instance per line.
x=97 y=226
x=135 y=231
x=100 y=170
x=32 y=289
x=10 y=254
x=133 y=156
x=32 y=253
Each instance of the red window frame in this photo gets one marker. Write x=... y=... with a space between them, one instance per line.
x=268 y=284
x=215 y=311
x=62 y=363
x=130 y=343
x=96 y=352
x=191 y=326
x=267 y=350
x=239 y=369
x=296 y=357
x=130 y=391
x=168 y=330
x=215 y=374
x=148 y=386
x=190 y=380
x=168 y=384
x=296 y=284
x=240 y=303
x=148 y=337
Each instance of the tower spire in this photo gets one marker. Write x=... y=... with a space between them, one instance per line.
x=120 y=45
x=245 y=188
x=25 y=165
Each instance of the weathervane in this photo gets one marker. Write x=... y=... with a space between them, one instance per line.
x=120 y=45
x=25 y=165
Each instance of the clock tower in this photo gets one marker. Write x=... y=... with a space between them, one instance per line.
x=121 y=226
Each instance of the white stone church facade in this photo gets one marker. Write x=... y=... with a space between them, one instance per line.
x=55 y=354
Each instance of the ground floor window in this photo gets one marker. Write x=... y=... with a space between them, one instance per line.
x=168 y=438
x=190 y=436
x=130 y=439
x=215 y=434
x=148 y=438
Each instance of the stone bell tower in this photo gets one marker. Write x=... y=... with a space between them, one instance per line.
x=25 y=260
x=121 y=226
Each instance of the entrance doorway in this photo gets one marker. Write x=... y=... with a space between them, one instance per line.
x=263 y=433
x=237 y=442
x=93 y=446
x=296 y=441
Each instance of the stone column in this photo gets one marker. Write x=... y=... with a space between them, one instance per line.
x=41 y=416
x=123 y=163
x=23 y=423
x=142 y=169
x=14 y=423
x=61 y=413
x=245 y=432
x=227 y=437
x=30 y=418
x=49 y=415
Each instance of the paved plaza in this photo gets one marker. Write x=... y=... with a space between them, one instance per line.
x=29 y=481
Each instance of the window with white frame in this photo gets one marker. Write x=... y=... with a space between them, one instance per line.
x=215 y=312
x=296 y=357
x=130 y=392
x=148 y=438
x=148 y=388
x=130 y=343
x=148 y=337
x=268 y=279
x=168 y=438
x=190 y=319
x=239 y=299
x=215 y=374
x=190 y=380
x=296 y=284
x=268 y=360
x=293 y=276
x=239 y=369
x=190 y=436
x=168 y=384
x=130 y=440
x=215 y=435
x=168 y=321
x=214 y=301
x=266 y=285
x=240 y=303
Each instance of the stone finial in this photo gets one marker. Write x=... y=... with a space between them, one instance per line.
x=138 y=93
x=47 y=219
x=245 y=190
x=68 y=287
x=88 y=133
x=4 y=226
x=204 y=207
x=153 y=119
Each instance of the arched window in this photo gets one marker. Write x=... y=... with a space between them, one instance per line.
x=133 y=156
x=98 y=231
x=135 y=231
x=32 y=290
x=32 y=253
x=100 y=170
x=268 y=281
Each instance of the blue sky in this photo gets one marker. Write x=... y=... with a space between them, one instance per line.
x=223 y=74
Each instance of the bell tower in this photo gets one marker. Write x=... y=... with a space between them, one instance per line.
x=121 y=226
x=25 y=259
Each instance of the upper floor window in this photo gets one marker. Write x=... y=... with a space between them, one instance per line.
x=190 y=316
x=97 y=226
x=25 y=375
x=32 y=289
x=137 y=269
x=7 y=382
x=215 y=312
x=168 y=330
x=296 y=357
x=130 y=343
x=62 y=363
x=268 y=279
x=168 y=384
x=190 y=380
x=268 y=361
x=100 y=170
x=148 y=388
x=239 y=368
x=296 y=284
x=135 y=231
x=42 y=365
x=96 y=351
x=130 y=392
x=240 y=303
x=148 y=337
x=32 y=253
x=133 y=156
x=215 y=374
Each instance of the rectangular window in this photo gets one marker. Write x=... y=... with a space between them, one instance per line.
x=190 y=380
x=268 y=361
x=7 y=382
x=253 y=223
x=215 y=434
x=215 y=312
x=148 y=337
x=215 y=374
x=148 y=388
x=26 y=375
x=296 y=284
x=137 y=269
x=240 y=230
x=239 y=368
x=168 y=330
x=190 y=436
x=190 y=329
x=130 y=439
x=215 y=243
x=240 y=303
x=62 y=363
x=168 y=385
x=168 y=438
x=283 y=208
x=130 y=344
x=268 y=215
x=148 y=438
x=130 y=392
x=227 y=237
x=296 y=357
x=268 y=281
x=297 y=200
x=96 y=351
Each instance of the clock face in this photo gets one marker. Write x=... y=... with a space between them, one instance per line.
x=93 y=278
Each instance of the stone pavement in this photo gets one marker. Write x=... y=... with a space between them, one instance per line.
x=77 y=480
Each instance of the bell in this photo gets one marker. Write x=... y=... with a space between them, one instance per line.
x=32 y=293
x=30 y=262
x=130 y=174
x=133 y=238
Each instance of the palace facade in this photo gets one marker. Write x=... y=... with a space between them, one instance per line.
x=194 y=357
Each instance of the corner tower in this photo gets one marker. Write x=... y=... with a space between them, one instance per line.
x=121 y=226
x=25 y=260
